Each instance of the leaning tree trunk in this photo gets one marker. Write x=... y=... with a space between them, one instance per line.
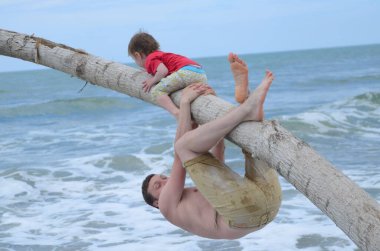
x=350 y=207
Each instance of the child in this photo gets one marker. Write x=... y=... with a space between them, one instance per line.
x=170 y=71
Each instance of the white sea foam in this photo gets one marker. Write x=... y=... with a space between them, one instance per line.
x=82 y=201
x=114 y=214
x=358 y=115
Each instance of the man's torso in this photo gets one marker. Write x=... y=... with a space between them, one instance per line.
x=196 y=215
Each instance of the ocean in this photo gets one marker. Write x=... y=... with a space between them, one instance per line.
x=72 y=161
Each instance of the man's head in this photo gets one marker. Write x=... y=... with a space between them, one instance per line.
x=141 y=45
x=151 y=188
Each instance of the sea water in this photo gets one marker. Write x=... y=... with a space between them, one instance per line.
x=72 y=162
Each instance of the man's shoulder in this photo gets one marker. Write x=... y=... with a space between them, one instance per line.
x=167 y=206
x=178 y=213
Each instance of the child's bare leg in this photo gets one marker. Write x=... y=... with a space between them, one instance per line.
x=166 y=102
x=239 y=71
x=202 y=139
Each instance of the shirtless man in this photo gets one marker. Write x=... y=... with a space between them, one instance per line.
x=223 y=205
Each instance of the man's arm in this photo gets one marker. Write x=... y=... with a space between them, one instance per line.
x=172 y=192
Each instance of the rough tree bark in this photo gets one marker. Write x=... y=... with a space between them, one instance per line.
x=349 y=206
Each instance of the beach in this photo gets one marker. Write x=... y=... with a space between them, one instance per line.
x=72 y=161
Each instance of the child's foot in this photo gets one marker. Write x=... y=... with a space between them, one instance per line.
x=255 y=101
x=239 y=70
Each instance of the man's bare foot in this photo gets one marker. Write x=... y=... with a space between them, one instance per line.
x=239 y=70
x=255 y=101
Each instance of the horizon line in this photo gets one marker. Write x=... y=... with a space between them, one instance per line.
x=215 y=56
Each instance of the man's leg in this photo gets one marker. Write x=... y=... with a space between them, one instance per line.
x=218 y=150
x=202 y=139
x=239 y=71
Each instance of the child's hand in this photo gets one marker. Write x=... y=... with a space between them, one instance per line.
x=148 y=84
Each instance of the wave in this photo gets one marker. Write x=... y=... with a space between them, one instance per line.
x=371 y=97
x=356 y=115
x=62 y=107
x=349 y=78
x=337 y=78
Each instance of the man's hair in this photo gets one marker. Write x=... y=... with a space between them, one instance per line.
x=149 y=199
x=144 y=43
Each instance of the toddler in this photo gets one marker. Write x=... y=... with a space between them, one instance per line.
x=170 y=71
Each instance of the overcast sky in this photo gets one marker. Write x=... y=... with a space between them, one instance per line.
x=193 y=28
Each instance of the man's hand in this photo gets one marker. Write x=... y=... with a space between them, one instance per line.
x=148 y=84
x=209 y=91
x=193 y=91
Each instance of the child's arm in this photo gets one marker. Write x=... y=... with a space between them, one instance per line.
x=161 y=72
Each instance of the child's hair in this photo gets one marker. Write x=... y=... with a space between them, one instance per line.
x=142 y=42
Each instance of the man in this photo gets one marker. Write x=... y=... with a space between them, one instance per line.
x=223 y=205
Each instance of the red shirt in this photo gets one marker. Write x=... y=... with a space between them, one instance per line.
x=172 y=61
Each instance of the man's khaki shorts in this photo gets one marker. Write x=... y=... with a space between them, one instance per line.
x=249 y=202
